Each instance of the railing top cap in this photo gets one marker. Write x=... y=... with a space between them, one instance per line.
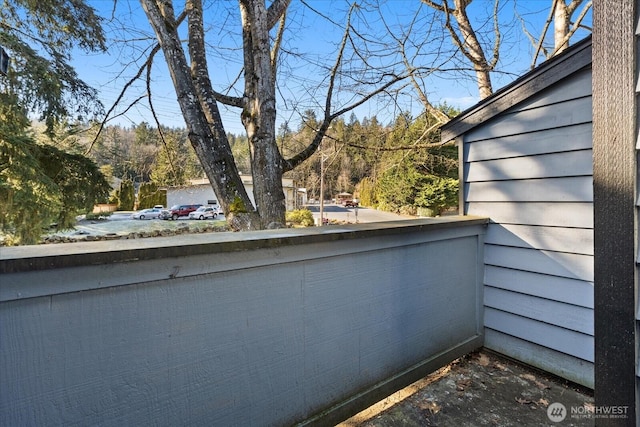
x=39 y=257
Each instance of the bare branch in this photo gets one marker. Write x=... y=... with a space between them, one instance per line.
x=276 y=11
x=403 y=148
x=232 y=101
x=574 y=28
x=336 y=66
x=199 y=68
x=394 y=79
x=468 y=42
x=498 y=36
x=544 y=33
x=329 y=116
x=277 y=42
x=440 y=7
x=454 y=36
x=531 y=38
x=411 y=70
x=573 y=6
x=159 y=127
x=291 y=163
x=127 y=85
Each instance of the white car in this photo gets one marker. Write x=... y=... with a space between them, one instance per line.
x=151 y=213
x=204 y=212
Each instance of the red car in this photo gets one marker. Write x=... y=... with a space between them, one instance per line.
x=177 y=211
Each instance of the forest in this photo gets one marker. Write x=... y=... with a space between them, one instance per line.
x=393 y=167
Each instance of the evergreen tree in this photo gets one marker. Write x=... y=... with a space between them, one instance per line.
x=149 y=195
x=41 y=184
x=40 y=37
x=175 y=162
x=126 y=196
x=28 y=200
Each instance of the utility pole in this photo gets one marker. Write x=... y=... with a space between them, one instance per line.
x=322 y=159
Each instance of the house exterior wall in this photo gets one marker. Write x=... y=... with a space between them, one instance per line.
x=530 y=170
x=202 y=192
x=264 y=328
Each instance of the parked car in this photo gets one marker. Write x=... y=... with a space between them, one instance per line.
x=349 y=203
x=176 y=211
x=204 y=212
x=151 y=213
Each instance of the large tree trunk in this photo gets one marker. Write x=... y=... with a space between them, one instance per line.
x=468 y=42
x=562 y=22
x=207 y=138
x=474 y=50
x=198 y=102
x=259 y=113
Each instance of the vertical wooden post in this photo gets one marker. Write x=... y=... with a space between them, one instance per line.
x=614 y=174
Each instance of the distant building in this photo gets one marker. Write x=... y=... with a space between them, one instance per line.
x=201 y=191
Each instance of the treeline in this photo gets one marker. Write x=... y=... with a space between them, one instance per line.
x=398 y=167
x=48 y=178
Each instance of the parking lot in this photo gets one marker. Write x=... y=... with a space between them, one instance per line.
x=334 y=212
x=121 y=224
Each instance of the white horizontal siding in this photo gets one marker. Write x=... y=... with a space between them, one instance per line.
x=530 y=170
x=567 y=316
x=541 y=142
x=572 y=266
x=570 y=113
x=578 y=86
x=568 y=163
x=571 y=189
x=570 y=342
x=572 y=368
x=573 y=240
x=545 y=213
x=555 y=288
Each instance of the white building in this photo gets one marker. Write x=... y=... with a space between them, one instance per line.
x=200 y=191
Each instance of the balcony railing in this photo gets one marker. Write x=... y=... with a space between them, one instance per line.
x=263 y=328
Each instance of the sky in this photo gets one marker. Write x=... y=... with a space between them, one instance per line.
x=314 y=29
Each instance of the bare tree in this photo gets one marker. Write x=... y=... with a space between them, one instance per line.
x=198 y=101
x=560 y=16
x=465 y=38
x=405 y=42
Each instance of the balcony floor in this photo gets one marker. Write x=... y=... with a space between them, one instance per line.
x=477 y=390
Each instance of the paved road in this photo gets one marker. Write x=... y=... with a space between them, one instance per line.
x=340 y=213
x=331 y=212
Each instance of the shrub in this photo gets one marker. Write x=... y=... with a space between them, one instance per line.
x=437 y=193
x=302 y=217
x=97 y=215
